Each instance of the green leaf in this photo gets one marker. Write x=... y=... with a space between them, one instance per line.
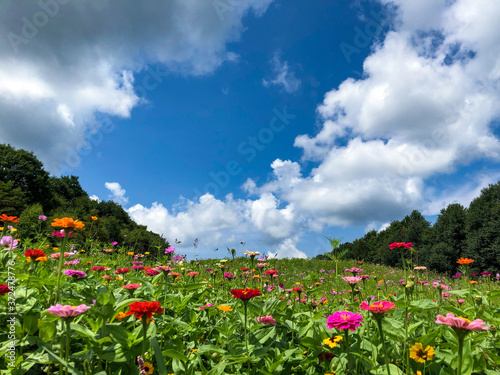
x=160 y=362
x=175 y=354
x=46 y=330
x=119 y=334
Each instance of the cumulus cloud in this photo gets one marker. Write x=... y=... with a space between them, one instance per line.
x=67 y=66
x=283 y=76
x=287 y=249
x=118 y=193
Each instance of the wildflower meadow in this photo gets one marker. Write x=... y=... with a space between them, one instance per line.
x=113 y=310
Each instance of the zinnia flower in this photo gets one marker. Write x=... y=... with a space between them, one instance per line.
x=34 y=253
x=75 y=273
x=8 y=242
x=152 y=272
x=228 y=275
x=353 y=280
x=42 y=217
x=267 y=319
x=378 y=308
x=122 y=270
x=344 y=320
x=332 y=343
x=67 y=222
x=131 y=286
x=9 y=219
x=407 y=245
x=465 y=261
x=421 y=355
x=271 y=272
x=148 y=309
x=245 y=294
x=67 y=311
x=4 y=289
x=461 y=323
x=224 y=308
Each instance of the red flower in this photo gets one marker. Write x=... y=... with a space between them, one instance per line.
x=4 y=289
x=138 y=309
x=393 y=245
x=245 y=294
x=122 y=270
x=297 y=289
x=34 y=253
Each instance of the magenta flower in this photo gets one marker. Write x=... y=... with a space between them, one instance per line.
x=114 y=243
x=152 y=272
x=67 y=311
x=122 y=270
x=353 y=280
x=131 y=286
x=8 y=242
x=354 y=270
x=344 y=320
x=267 y=319
x=228 y=275
x=75 y=273
x=461 y=323
x=169 y=250
x=407 y=245
x=138 y=267
x=42 y=217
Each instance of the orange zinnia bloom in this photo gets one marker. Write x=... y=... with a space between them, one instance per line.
x=67 y=222
x=465 y=261
x=9 y=219
x=93 y=217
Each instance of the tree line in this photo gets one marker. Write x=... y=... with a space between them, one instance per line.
x=459 y=232
x=28 y=191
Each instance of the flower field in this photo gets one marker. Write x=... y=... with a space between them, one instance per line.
x=112 y=310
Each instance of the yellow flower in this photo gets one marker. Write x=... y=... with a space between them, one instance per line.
x=94 y=217
x=82 y=251
x=180 y=264
x=256 y=276
x=148 y=367
x=223 y=260
x=297 y=283
x=55 y=248
x=224 y=308
x=193 y=351
x=419 y=373
x=380 y=281
x=332 y=344
x=130 y=253
x=331 y=373
x=47 y=245
x=147 y=253
x=119 y=278
x=421 y=355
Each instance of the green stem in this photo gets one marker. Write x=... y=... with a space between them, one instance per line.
x=346 y=334
x=246 y=338
x=384 y=345
x=68 y=340
x=460 y=350
x=144 y=333
x=59 y=268
x=404 y=265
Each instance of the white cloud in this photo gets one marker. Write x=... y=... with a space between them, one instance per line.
x=287 y=249
x=66 y=65
x=283 y=76
x=118 y=193
x=94 y=198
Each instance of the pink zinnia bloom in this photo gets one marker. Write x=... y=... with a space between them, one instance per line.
x=461 y=323
x=354 y=270
x=56 y=255
x=8 y=242
x=379 y=307
x=193 y=273
x=271 y=272
x=352 y=279
x=67 y=311
x=164 y=268
x=344 y=320
x=407 y=245
x=267 y=319
x=137 y=268
x=262 y=265
x=152 y=272
x=169 y=250
x=75 y=273
x=121 y=270
x=114 y=243
x=131 y=286
x=228 y=275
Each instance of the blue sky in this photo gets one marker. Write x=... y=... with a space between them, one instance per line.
x=274 y=123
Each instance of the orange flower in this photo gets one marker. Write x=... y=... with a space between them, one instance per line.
x=224 y=308
x=472 y=282
x=93 y=217
x=67 y=222
x=9 y=219
x=465 y=261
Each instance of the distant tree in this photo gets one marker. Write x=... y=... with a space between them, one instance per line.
x=12 y=200
x=27 y=173
x=67 y=188
x=30 y=227
x=483 y=230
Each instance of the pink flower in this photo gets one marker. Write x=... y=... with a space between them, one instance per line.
x=75 y=273
x=267 y=319
x=271 y=272
x=42 y=217
x=393 y=245
x=114 y=243
x=8 y=242
x=379 y=307
x=152 y=272
x=122 y=270
x=67 y=311
x=353 y=280
x=56 y=255
x=354 y=270
x=344 y=320
x=461 y=323
x=131 y=286
x=169 y=250
x=164 y=268
x=193 y=273
x=262 y=265
x=228 y=275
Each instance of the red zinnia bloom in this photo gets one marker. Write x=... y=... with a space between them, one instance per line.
x=245 y=294
x=34 y=253
x=152 y=272
x=138 y=309
x=9 y=219
x=297 y=289
x=4 y=289
x=122 y=270
x=271 y=272
x=245 y=269
x=393 y=245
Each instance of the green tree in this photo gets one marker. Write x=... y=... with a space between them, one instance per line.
x=11 y=199
x=27 y=173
